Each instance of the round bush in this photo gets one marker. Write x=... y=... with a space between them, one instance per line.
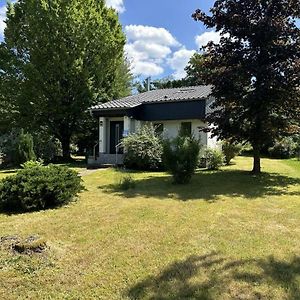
x=180 y=157
x=143 y=150
x=230 y=150
x=215 y=159
x=284 y=148
x=38 y=187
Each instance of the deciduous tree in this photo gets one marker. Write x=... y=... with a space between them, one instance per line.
x=71 y=56
x=254 y=70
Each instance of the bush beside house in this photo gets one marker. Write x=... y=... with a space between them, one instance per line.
x=214 y=159
x=143 y=150
x=180 y=157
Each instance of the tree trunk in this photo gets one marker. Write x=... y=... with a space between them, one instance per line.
x=65 y=143
x=256 y=160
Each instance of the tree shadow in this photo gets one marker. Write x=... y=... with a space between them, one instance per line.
x=9 y=171
x=210 y=185
x=213 y=276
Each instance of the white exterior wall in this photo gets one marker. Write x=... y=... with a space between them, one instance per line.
x=171 y=130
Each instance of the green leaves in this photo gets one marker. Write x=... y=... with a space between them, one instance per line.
x=37 y=187
x=70 y=56
x=254 y=70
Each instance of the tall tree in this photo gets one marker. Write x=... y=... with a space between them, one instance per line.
x=254 y=70
x=71 y=56
x=195 y=70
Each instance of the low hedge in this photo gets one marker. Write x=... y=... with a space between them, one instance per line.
x=39 y=187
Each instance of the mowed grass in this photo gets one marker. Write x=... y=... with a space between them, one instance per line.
x=227 y=235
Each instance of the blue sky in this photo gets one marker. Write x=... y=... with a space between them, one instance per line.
x=161 y=35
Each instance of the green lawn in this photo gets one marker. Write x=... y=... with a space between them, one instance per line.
x=227 y=235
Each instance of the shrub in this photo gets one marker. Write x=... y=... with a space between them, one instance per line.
x=214 y=159
x=37 y=187
x=284 y=148
x=126 y=183
x=24 y=151
x=143 y=150
x=180 y=157
x=46 y=146
x=230 y=150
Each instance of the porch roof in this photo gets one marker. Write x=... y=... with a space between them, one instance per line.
x=156 y=96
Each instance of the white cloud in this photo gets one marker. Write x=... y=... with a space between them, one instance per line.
x=204 y=38
x=2 y=19
x=148 y=49
x=179 y=61
x=118 y=5
x=147 y=68
x=152 y=50
x=153 y=34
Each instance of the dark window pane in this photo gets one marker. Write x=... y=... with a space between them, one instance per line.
x=186 y=128
x=159 y=128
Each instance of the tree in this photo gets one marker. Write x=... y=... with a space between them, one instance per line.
x=24 y=151
x=195 y=69
x=71 y=56
x=9 y=90
x=254 y=69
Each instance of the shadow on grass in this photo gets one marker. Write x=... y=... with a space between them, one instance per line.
x=215 y=277
x=208 y=185
x=10 y=172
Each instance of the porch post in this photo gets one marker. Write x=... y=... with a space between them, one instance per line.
x=127 y=125
x=102 y=134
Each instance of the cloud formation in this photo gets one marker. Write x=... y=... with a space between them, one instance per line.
x=179 y=61
x=2 y=19
x=204 y=38
x=118 y=5
x=148 y=48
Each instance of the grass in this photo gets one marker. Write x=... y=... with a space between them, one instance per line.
x=227 y=235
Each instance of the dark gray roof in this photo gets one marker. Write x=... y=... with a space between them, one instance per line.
x=164 y=95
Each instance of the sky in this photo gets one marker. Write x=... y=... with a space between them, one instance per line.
x=161 y=35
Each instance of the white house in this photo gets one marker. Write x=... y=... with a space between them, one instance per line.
x=167 y=109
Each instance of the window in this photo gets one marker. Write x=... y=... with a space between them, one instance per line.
x=186 y=128
x=159 y=128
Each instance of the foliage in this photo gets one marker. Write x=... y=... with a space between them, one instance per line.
x=8 y=146
x=46 y=146
x=36 y=187
x=230 y=150
x=32 y=164
x=180 y=157
x=24 y=151
x=214 y=159
x=195 y=70
x=143 y=149
x=126 y=182
x=283 y=148
x=254 y=70
x=64 y=64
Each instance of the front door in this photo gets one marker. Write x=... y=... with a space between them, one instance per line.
x=116 y=134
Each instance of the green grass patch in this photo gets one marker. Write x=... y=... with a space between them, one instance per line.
x=227 y=235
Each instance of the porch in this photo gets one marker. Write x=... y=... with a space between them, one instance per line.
x=109 y=151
